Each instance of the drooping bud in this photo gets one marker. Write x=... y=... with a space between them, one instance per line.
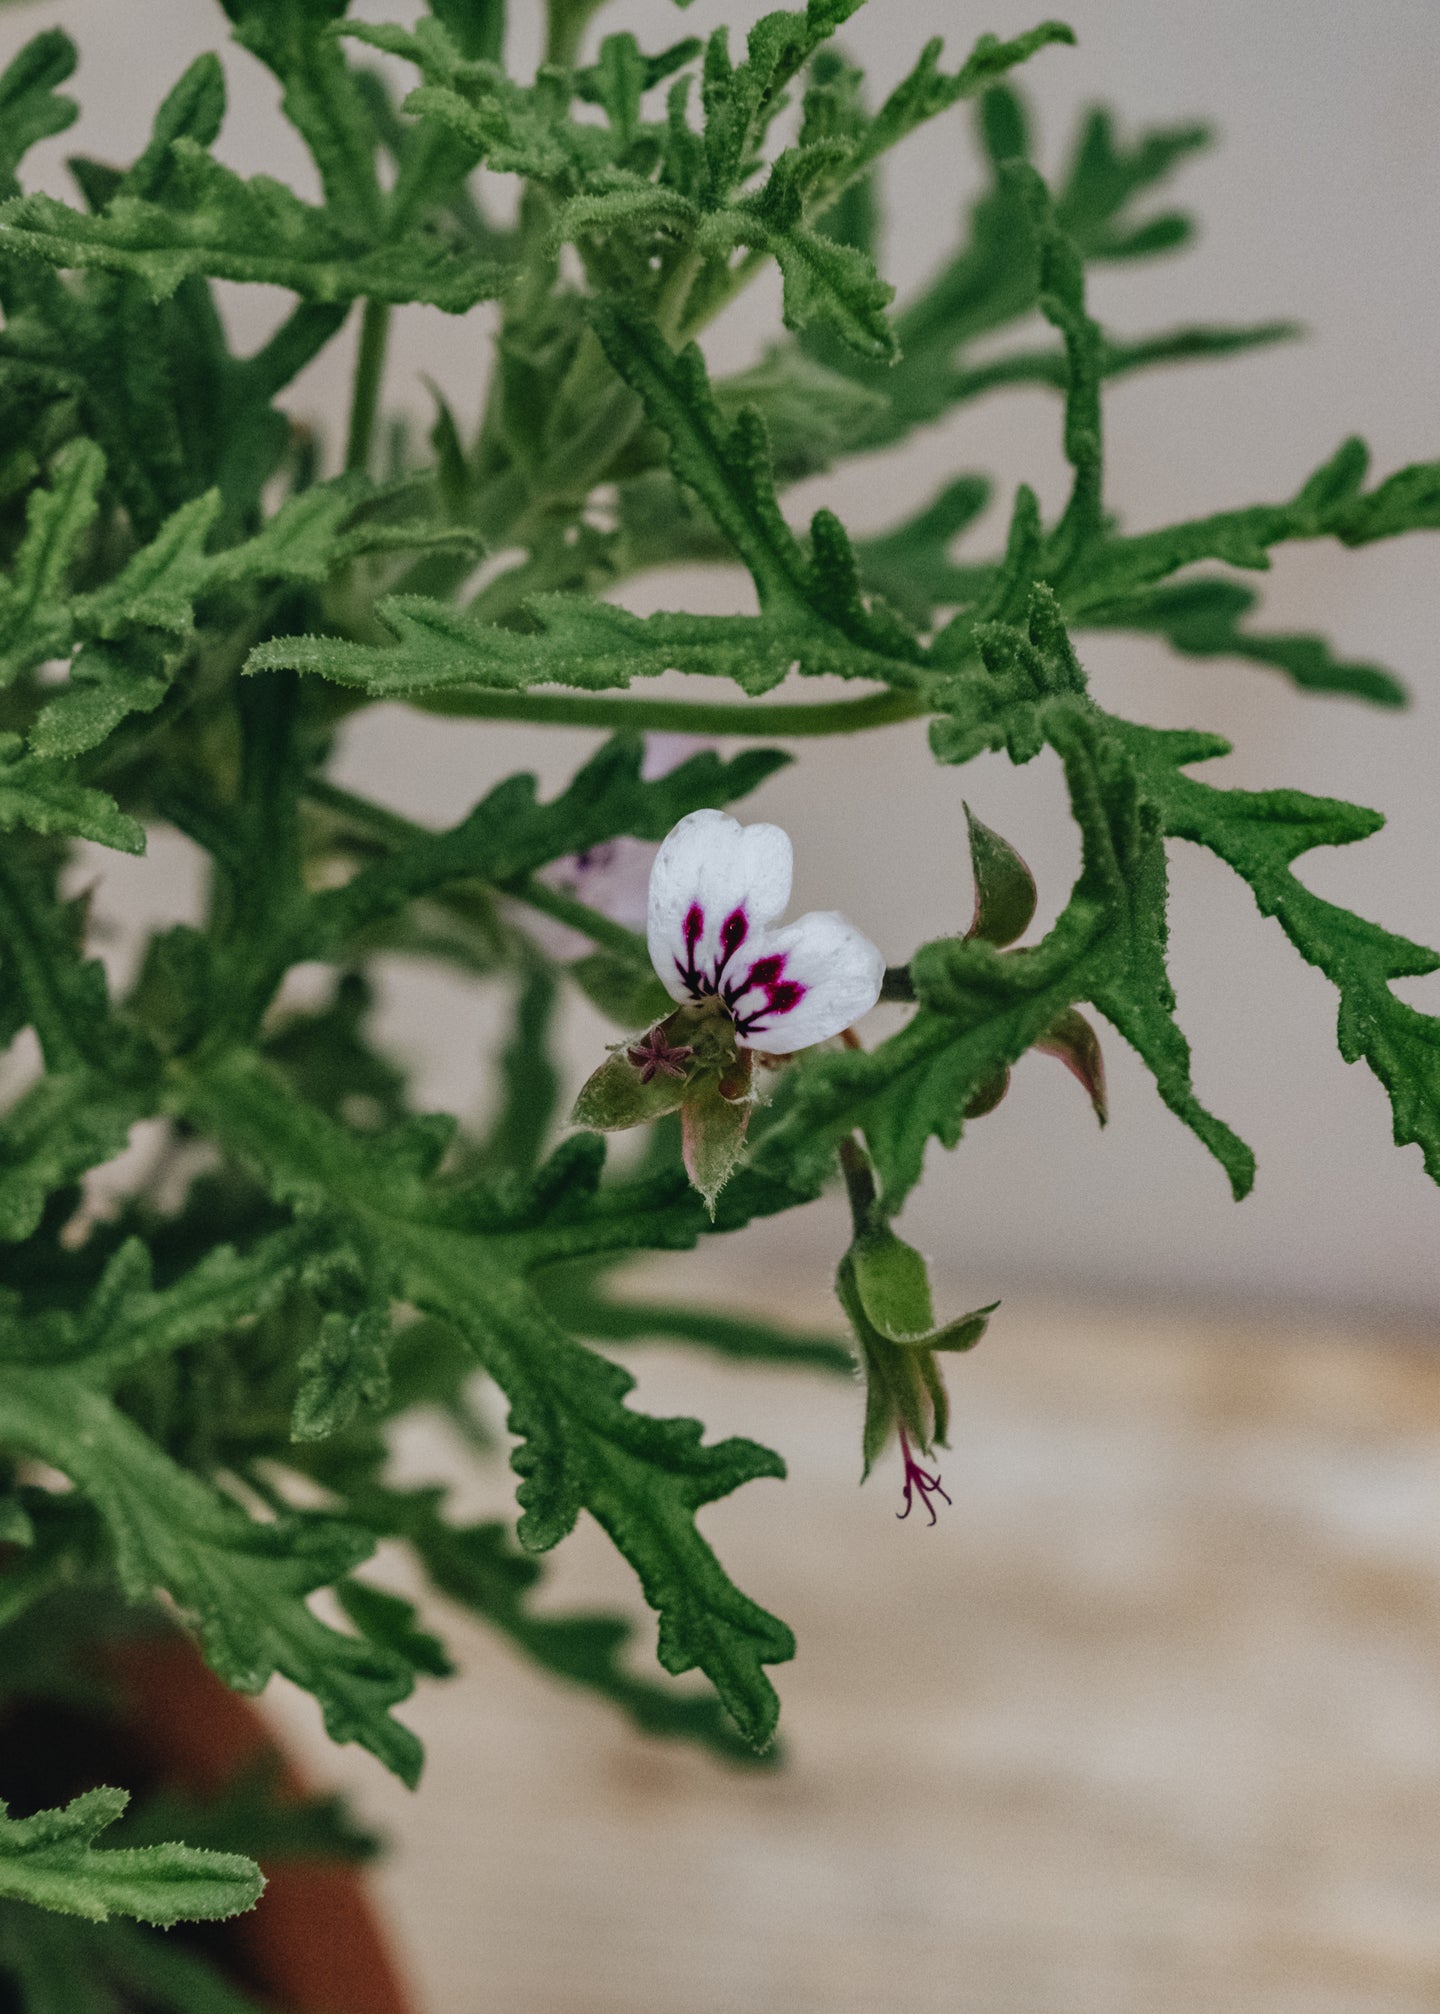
x=884 y=1287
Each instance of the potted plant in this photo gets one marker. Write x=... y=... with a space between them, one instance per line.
x=197 y=1387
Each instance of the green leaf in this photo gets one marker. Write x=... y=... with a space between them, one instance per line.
x=927 y=91
x=479 y=1567
x=624 y=989
x=812 y=415
x=30 y=107
x=40 y=795
x=62 y=1965
x=981 y=1009
x=55 y=1132
x=580 y=1447
x=141 y=622
x=1104 y=179
x=388 y=1621
x=244 y=1585
x=35 y=621
x=64 y=994
x=217 y=224
x=1331 y=504
x=322 y=98
x=258 y=1813
x=107 y=684
x=51 y=1860
x=1201 y=618
x=911 y=565
x=509 y=834
x=569 y=641
x=1259 y=834
x=345 y=1368
x=126 y=1319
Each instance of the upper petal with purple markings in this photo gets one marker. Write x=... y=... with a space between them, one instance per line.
x=715 y=891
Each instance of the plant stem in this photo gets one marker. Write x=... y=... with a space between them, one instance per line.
x=600 y=929
x=566 y=22
x=381 y=826
x=684 y=716
x=859 y=1183
x=365 y=398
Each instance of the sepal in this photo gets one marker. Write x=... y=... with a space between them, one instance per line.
x=1073 y=1039
x=713 y=1121
x=1005 y=893
x=616 y=1097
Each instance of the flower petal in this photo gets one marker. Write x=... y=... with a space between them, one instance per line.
x=812 y=978
x=714 y=887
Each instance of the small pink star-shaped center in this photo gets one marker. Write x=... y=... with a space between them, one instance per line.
x=657 y=1057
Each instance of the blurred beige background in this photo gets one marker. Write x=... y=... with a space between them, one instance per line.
x=1152 y=1719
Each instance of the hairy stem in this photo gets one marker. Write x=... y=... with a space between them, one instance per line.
x=684 y=716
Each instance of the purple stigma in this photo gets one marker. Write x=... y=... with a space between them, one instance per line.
x=924 y=1480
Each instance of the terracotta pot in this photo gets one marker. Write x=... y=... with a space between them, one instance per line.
x=312 y=1944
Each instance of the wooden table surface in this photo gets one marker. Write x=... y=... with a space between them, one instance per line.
x=1149 y=1724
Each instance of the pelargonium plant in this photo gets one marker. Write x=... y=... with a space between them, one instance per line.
x=197 y=1388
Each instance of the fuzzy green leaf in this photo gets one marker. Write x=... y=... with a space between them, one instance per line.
x=509 y=834
x=57 y=1131
x=126 y=1319
x=30 y=107
x=244 y=1585
x=52 y=1860
x=580 y=1447
x=479 y=1567
x=728 y=467
x=347 y=1367
x=34 y=619
x=981 y=1009
x=1201 y=618
x=42 y=796
x=218 y=224
x=570 y=641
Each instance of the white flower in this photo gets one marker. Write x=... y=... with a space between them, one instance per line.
x=715 y=891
